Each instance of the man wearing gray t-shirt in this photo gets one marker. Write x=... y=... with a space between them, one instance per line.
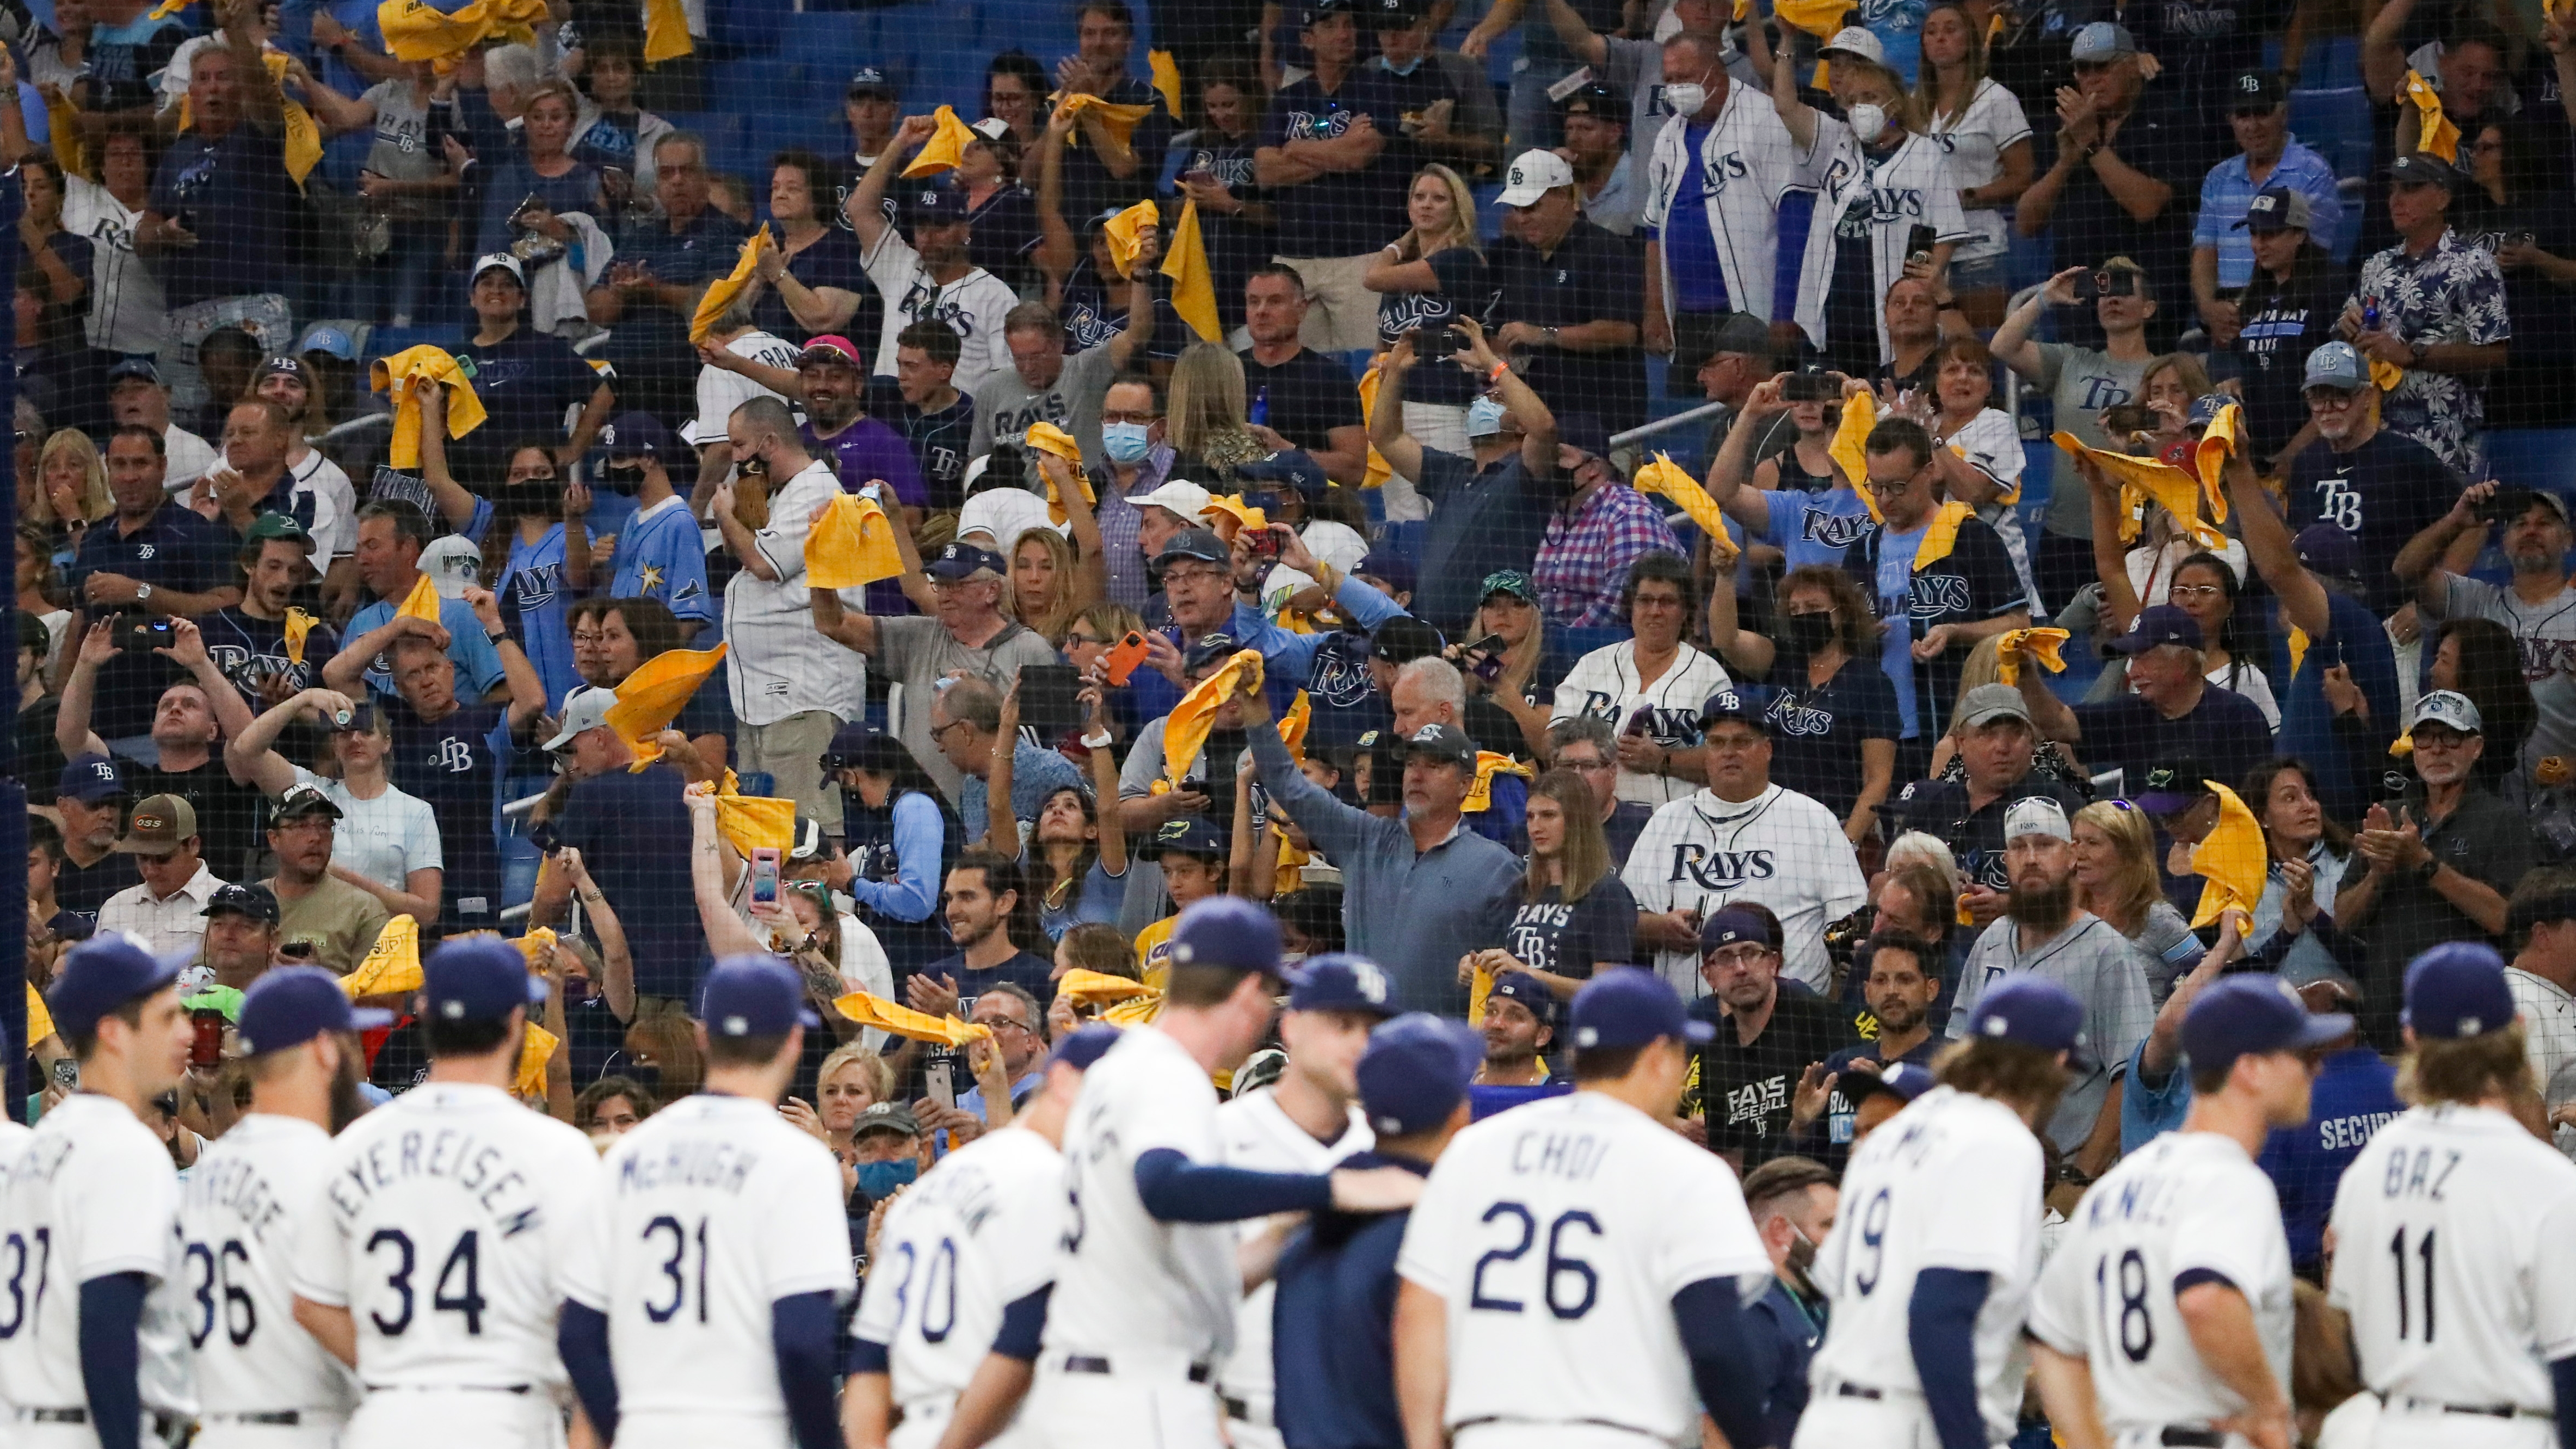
x=2081 y=382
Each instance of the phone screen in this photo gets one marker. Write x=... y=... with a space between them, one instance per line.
x=764 y=876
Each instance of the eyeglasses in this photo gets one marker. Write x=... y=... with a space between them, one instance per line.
x=1072 y=639
x=592 y=640
x=940 y=729
x=1205 y=576
x=1589 y=764
x=1739 y=955
x=2196 y=591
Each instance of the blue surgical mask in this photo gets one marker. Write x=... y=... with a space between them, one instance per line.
x=1484 y=417
x=1126 y=442
x=879 y=1180
x=1408 y=68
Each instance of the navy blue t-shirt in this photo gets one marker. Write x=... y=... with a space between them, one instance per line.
x=1304 y=398
x=235 y=196
x=2382 y=493
x=456 y=764
x=834 y=261
x=1335 y=1323
x=1590 y=277
x=1482 y=520
x=1467 y=288
x=526 y=382
x=2224 y=732
x=174 y=549
x=633 y=834
x=1816 y=734
x=704 y=249
x=1340 y=213
x=1569 y=940
x=939 y=441
x=2355 y=1096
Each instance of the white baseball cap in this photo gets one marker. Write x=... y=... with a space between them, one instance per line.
x=2036 y=815
x=1179 y=495
x=1003 y=514
x=584 y=710
x=1534 y=174
x=454 y=564
x=1855 y=42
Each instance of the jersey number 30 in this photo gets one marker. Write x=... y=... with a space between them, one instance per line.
x=1563 y=1273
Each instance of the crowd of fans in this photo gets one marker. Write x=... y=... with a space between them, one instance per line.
x=1298 y=541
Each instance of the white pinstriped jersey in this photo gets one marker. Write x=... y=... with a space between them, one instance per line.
x=1909 y=187
x=1746 y=162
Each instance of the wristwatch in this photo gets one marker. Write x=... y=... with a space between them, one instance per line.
x=142 y=593
x=497 y=638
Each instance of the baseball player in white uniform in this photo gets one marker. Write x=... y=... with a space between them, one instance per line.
x=1936 y=1246
x=1147 y=1287
x=2456 y=1233
x=432 y=1259
x=949 y=1328
x=704 y=1288
x=1309 y=1122
x=92 y=1349
x=261 y=1379
x=1576 y=1272
x=2164 y=1316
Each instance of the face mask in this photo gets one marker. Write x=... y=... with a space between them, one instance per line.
x=1126 y=442
x=752 y=465
x=1686 y=99
x=1804 y=634
x=576 y=990
x=1408 y=68
x=1484 y=418
x=1867 y=121
x=624 y=480
x=880 y=1179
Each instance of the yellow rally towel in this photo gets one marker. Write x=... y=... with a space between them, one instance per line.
x=2434 y=132
x=1292 y=725
x=1480 y=795
x=421 y=603
x=1139 y=1011
x=1167 y=78
x=298 y=625
x=2386 y=376
x=1480 y=985
x=1230 y=516
x=2231 y=860
x=1126 y=233
x=1942 y=534
x=1046 y=437
x=1850 y=448
x=946 y=146
x=392 y=964
x=851 y=544
x=1185 y=729
x=1674 y=481
x=666 y=31
x=2143 y=479
x=2298 y=642
x=2223 y=439
x=754 y=822
x=1193 y=285
x=868 y=1009
x=303 y=147
x=534 y=946
x=721 y=292
x=1119 y=121
x=402 y=376
x=1819 y=18
x=652 y=697
x=418 y=30
x=62 y=116
x=1099 y=986
x=168 y=8
x=2040 y=645
x=40 y=1022
x=1379 y=470
x=535 y=1050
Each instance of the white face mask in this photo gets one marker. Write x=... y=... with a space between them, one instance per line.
x=1686 y=98
x=1868 y=122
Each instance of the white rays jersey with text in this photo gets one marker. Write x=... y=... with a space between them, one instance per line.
x=1779 y=849
x=1953 y=1181
x=707 y=1213
x=90 y=1193
x=1257 y=1135
x=2187 y=1208
x=442 y=1224
x=1557 y=1234
x=2455 y=1255
x=240 y=1211
x=979 y=1232
x=1125 y=1280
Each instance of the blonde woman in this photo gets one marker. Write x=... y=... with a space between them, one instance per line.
x=1988 y=137
x=70 y=491
x=1576 y=916
x=2115 y=878
x=850 y=1081
x=1425 y=279
x=1047 y=586
x=1204 y=417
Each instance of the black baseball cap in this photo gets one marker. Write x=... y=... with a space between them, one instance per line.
x=934 y=204
x=1401 y=640
x=1188 y=835
x=300 y=800
x=1596 y=98
x=1201 y=544
x=254 y=901
x=1442 y=744
x=2158 y=625
x=2420 y=168
x=1210 y=649
x=871 y=80
x=2251 y=89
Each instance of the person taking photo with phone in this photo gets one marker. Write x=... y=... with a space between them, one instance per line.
x=2082 y=381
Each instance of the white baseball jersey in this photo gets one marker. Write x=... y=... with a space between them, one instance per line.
x=1126 y=1280
x=1745 y=161
x=1905 y=188
x=239 y=1213
x=706 y=1214
x=1254 y=1133
x=443 y=1225
x=972 y=306
x=1604 y=685
x=2186 y=1208
x=2548 y=1015
x=2456 y=1257
x=777 y=662
x=721 y=390
x=90 y=1194
x=1558 y=1233
x=978 y=1233
x=1779 y=849
x=1953 y=1181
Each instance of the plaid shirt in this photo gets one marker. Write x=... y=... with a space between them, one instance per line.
x=1584 y=562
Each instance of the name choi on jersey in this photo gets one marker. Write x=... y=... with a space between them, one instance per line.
x=1574 y=1156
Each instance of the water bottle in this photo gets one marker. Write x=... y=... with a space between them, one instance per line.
x=1259 y=413
x=2370 y=314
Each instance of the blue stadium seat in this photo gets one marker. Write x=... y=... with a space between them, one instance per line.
x=2336 y=125
x=748 y=27
x=389 y=340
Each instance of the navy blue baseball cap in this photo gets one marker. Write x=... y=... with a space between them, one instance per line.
x=1415 y=1072
x=1533 y=994
x=1079 y=1049
x=1210 y=649
x=90 y=779
x=1584 y=433
x=1733 y=704
x=1227 y=931
x=479 y=978
x=1294 y=467
x=1626 y=1007
x=935 y=204
x=2253 y=1014
x=1731 y=925
x=253 y=900
x=2031 y=1010
x=753 y=995
x=290 y=1005
x=2456 y=989
x=2159 y=624
x=637 y=435
x=2331 y=554
x=105 y=972
x=1394 y=568
x=1898 y=1079
x=962 y=560
x=871 y=80
x=1190 y=835
x=1339 y=981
